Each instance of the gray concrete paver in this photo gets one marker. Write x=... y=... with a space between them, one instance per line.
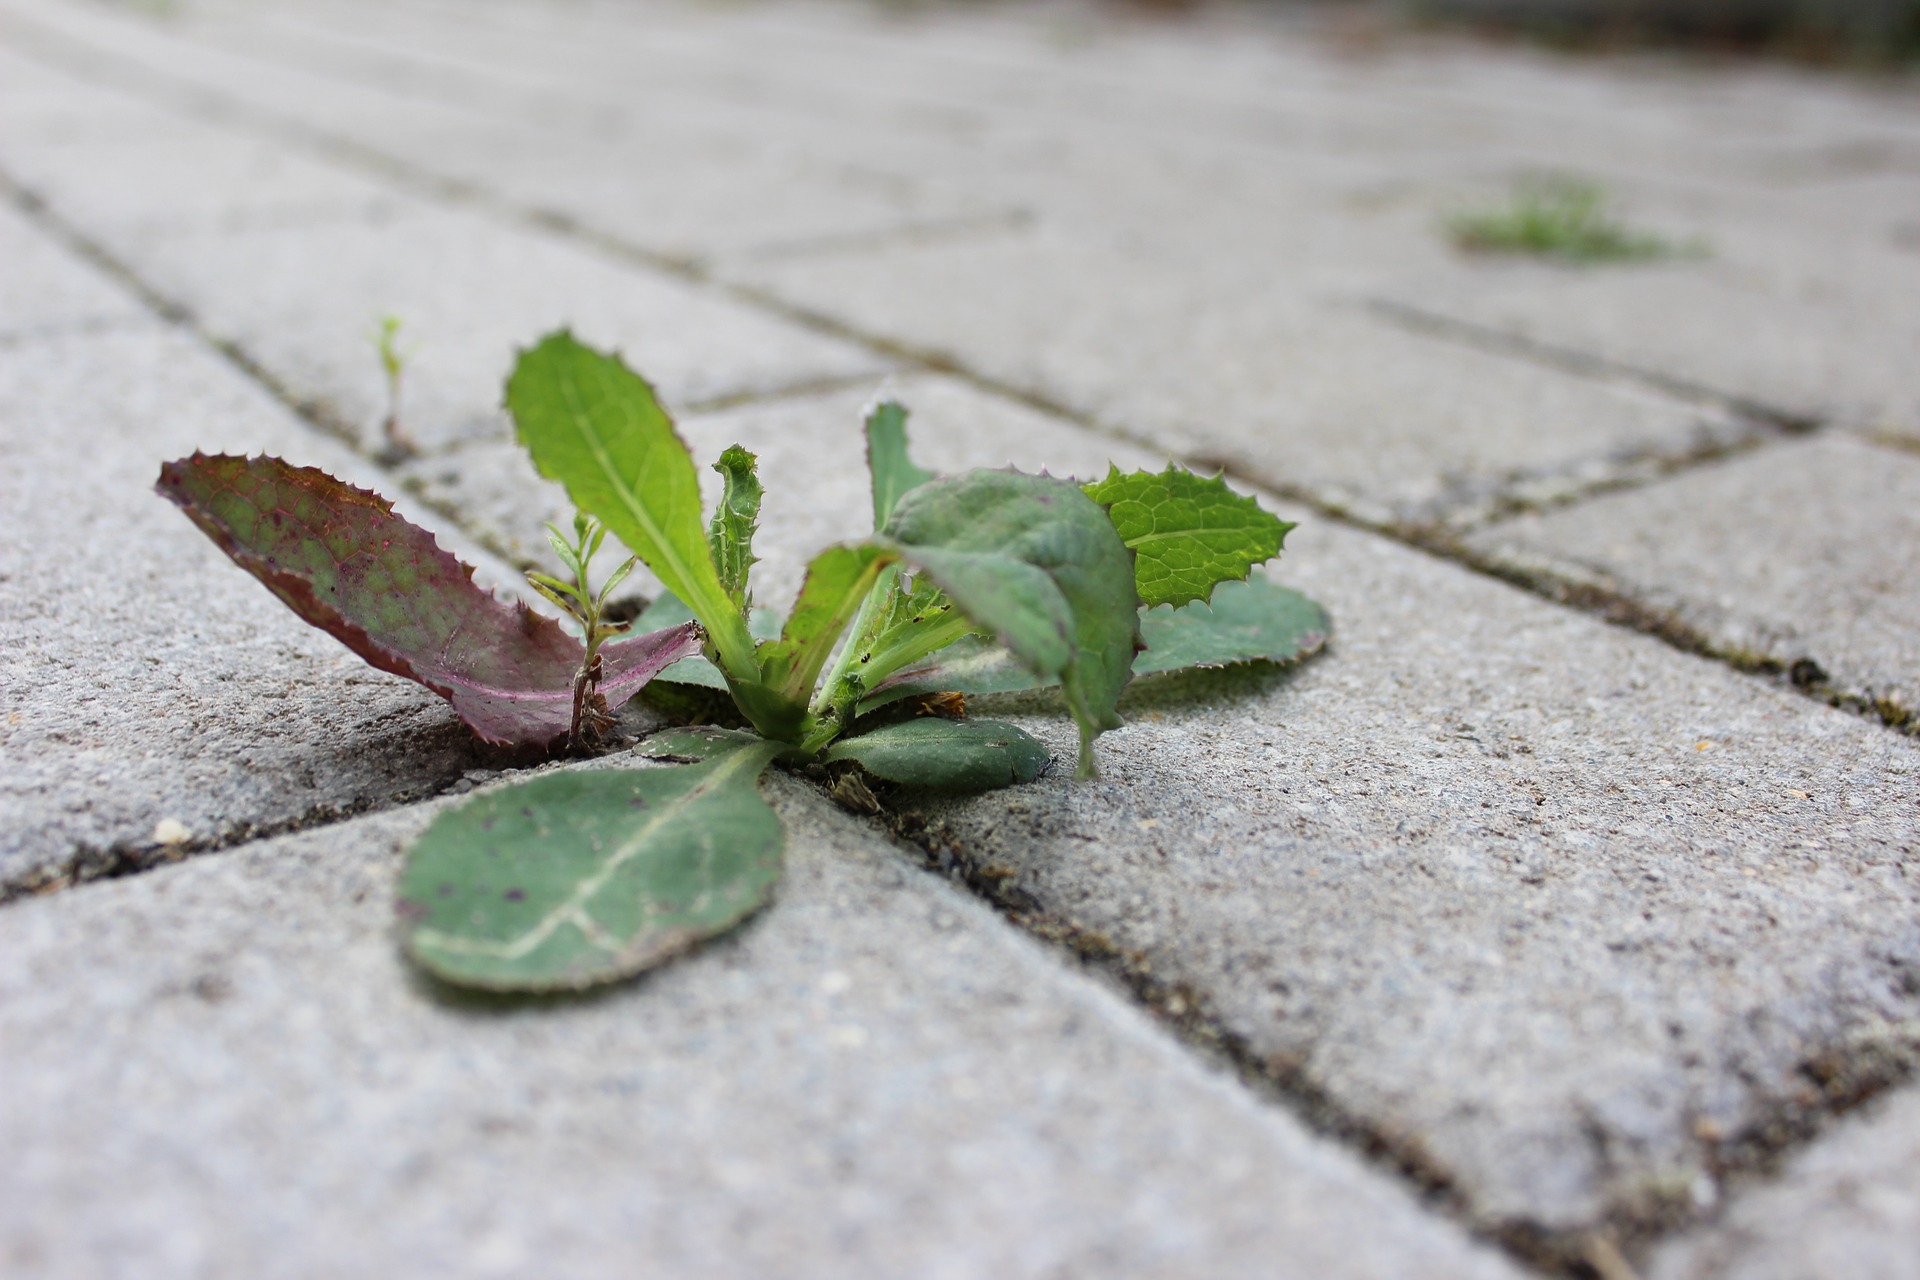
x=693 y=190
x=1781 y=317
x=1223 y=363
x=1806 y=551
x=875 y=1078
x=177 y=175
x=469 y=291
x=47 y=290
x=1849 y=1205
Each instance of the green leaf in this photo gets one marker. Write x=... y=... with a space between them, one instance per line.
x=951 y=755
x=1038 y=563
x=595 y=426
x=837 y=581
x=730 y=532
x=341 y=559
x=1187 y=532
x=1252 y=621
x=581 y=877
x=893 y=472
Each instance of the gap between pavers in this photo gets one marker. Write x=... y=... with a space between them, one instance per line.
x=1804 y=555
x=146 y=677
x=227 y=1068
x=1847 y=1206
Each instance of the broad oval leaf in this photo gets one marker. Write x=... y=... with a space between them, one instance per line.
x=595 y=426
x=585 y=876
x=1187 y=532
x=340 y=558
x=1037 y=562
x=949 y=755
x=1251 y=621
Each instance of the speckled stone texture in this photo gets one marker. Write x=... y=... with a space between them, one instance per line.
x=875 y=1078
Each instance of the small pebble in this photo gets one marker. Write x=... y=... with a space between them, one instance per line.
x=171 y=832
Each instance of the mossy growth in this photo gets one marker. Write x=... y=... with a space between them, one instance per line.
x=1563 y=218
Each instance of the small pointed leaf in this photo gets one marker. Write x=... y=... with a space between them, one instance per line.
x=585 y=876
x=340 y=558
x=1187 y=532
x=949 y=755
x=893 y=471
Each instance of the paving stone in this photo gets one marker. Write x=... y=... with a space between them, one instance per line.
x=678 y=188
x=1806 y=551
x=1849 y=1206
x=1223 y=364
x=177 y=174
x=47 y=290
x=469 y=292
x=1535 y=899
x=875 y=1078
x=146 y=678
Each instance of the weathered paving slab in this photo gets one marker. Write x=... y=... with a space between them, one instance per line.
x=49 y=292
x=1806 y=552
x=1849 y=1206
x=468 y=291
x=147 y=679
x=1325 y=398
x=1544 y=904
x=697 y=190
x=301 y=296
x=225 y=1068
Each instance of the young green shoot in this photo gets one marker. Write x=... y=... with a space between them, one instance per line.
x=587 y=608
x=396 y=445
x=1563 y=218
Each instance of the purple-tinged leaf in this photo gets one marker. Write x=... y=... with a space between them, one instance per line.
x=340 y=558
